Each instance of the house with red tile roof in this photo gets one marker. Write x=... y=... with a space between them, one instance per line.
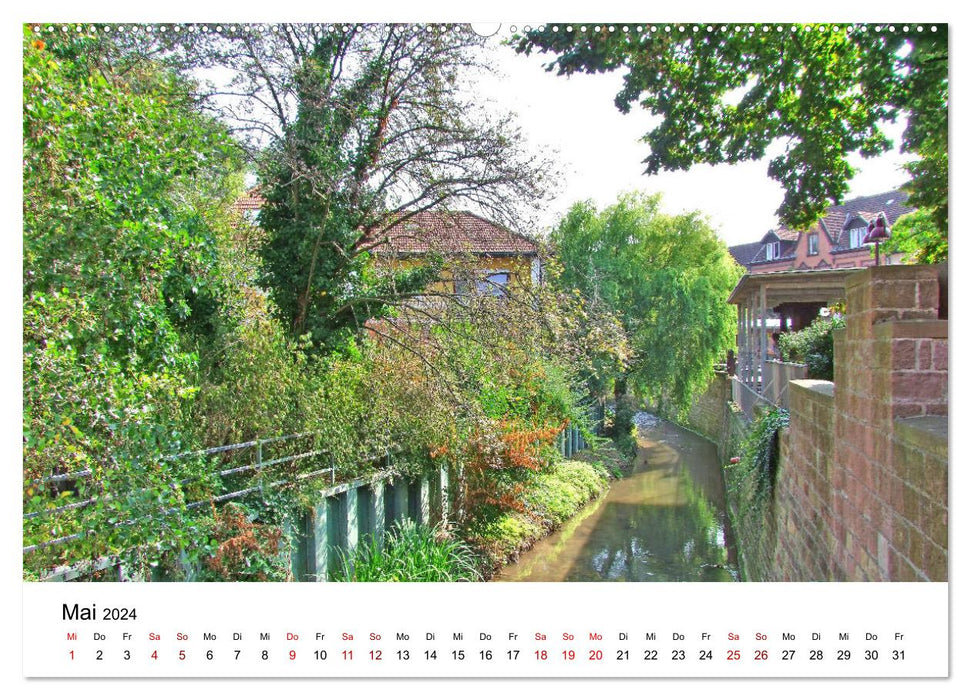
x=483 y=255
x=249 y=204
x=835 y=241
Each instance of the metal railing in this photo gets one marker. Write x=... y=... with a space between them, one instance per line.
x=747 y=398
x=568 y=442
x=258 y=467
x=775 y=388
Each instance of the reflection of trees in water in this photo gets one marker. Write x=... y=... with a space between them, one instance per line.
x=682 y=542
x=665 y=522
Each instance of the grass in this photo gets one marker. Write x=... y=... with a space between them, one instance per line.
x=412 y=553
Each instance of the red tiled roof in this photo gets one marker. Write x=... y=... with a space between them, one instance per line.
x=744 y=252
x=251 y=201
x=893 y=204
x=452 y=232
x=446 y=232
x=786 y=234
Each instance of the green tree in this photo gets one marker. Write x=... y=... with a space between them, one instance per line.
x=917 y=235
x=123 y=181
x=819 y=92
x=666 y=277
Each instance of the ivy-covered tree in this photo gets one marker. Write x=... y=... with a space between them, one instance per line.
x=318 y=201
x=356 y=129
x=822 y=92
x=666 y=277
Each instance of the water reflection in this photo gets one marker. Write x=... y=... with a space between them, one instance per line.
x=665 y=522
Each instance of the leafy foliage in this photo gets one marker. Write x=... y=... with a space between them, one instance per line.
x=760 y=452
x=919 y=237
x=750 y=480
x=556 y=494
x=493 y=393
x=244 y=550
x=923 y=93
x=362 y=128
x=123 y=182
x=412 y=553
x=149 y=330
x=666 y=277
x=550 y=497
x=812 y=346
x=818 y=92
x=319 y=278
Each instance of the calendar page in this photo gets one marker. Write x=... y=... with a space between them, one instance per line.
x=607 y=346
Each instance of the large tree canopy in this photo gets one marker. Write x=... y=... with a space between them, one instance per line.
x=666 y=277
x=357 y=129
x=727 y=94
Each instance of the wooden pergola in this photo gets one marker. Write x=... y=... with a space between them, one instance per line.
x=794 y=294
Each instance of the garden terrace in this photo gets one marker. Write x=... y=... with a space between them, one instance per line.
x=794 y=297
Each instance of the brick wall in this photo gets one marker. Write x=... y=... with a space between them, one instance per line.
x=707 y=414
x=861 y=491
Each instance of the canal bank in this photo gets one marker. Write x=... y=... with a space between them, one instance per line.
x=666 y=521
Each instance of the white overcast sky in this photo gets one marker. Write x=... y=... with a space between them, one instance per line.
x=601 y=153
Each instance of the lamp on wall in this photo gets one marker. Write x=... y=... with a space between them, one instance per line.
x=877 y=230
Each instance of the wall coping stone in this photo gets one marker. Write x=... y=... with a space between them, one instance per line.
x=820 y=387
x=786 y=364
x=928 y=433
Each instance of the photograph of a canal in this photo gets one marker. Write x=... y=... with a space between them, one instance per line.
x=453 y=303
x=666 y=521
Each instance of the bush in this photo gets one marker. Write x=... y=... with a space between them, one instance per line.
x=555 y=495
x=750 y=480
x=501 y=538
x=122 y=182
x=623 y=428
x=244 y=550
x=812 y=346
x=411 y=553
x=550 y=497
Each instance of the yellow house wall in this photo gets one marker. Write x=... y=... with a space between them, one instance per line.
x=518 y=267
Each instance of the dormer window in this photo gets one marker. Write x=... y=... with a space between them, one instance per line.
x=773 y=250
x=856 y=237
x=812 y=244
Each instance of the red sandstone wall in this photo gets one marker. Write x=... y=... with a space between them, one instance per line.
x=707 y=413
x=861 y=491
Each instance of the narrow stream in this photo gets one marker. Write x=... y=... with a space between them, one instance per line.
x=667 y=521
